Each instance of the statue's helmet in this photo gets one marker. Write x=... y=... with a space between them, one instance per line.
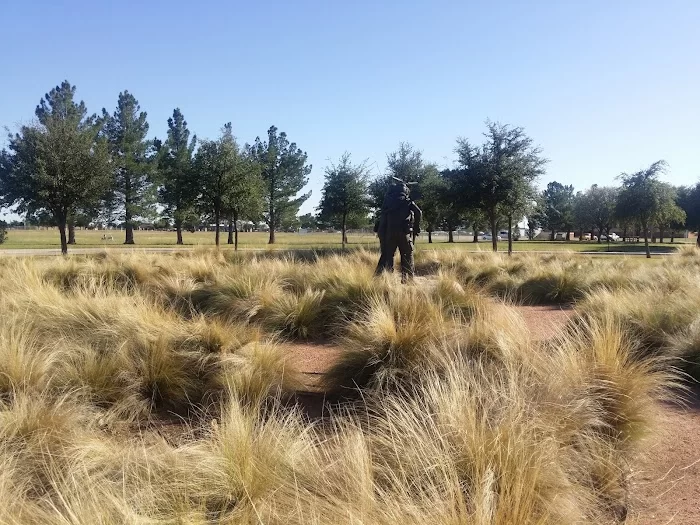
x=399 y=187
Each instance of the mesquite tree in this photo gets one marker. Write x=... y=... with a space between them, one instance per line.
x=229 y=181
x=641 y=198
x=497 y=176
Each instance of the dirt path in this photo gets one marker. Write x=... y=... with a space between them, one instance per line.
x=666 y=484
x=666 y=488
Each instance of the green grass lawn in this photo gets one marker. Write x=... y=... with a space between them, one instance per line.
x=48 y=238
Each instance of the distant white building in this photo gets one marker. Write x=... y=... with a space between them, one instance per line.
x=522 y=229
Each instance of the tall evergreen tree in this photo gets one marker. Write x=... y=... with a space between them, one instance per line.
x=285 y=172
x=344 y=195
x=60 y=164
x=133 y=192
x=178 y=185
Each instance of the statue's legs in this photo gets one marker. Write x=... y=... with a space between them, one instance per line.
x=387 y=245
x=405 y=245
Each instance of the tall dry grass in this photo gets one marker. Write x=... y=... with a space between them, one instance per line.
x=152 y=389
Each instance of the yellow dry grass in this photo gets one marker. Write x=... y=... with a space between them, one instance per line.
x=152 y=389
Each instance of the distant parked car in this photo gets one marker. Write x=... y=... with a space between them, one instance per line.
x=587 y=237
x=488 y=237
x=614 y=237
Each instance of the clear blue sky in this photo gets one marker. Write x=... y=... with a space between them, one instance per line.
x=602 y=86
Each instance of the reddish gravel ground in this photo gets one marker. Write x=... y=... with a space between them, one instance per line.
x=666 y=483
x=666 y=488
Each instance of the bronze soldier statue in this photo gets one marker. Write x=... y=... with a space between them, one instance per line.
x=398 y=224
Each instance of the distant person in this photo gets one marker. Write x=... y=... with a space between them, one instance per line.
x=399 y=222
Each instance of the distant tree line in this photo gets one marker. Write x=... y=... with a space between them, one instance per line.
x=493 y=186
x=69 y=168
x=641 y=207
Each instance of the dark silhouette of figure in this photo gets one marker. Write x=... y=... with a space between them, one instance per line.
x=399 y=222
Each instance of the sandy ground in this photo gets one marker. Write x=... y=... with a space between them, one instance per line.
x=666 y=488
x=665 y=484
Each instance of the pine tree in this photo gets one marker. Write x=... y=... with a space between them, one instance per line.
x=133 y=193
x=178 y=186
x=60 y=164
x=285 y=172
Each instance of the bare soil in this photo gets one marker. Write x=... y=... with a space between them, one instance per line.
x=665 y=484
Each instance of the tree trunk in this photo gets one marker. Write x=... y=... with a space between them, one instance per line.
x=62 y=231
x=344 y=239
x=552 y=237
x=272 y=225
x=568 y=235
x=697 y=240
x=661 y=235
x=450 y=236
x=510 y=235
x=129 y=234
x=230 y=231
x=71 y=233
x=217 y=226
x=235 y=232
x=673 y=236
x=476 y=234
x=494 y=240
x=178 y=229
x=430 y=236
x=646 y=242
x=624 y=234
x=129 y=239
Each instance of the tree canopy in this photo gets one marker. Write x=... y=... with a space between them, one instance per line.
x=285 y=172
x=558 y=207
x=178 y=184
x=498 y=176
x=132 y=193
x=344 y=197
x=596 y=208
x=642 y=197
x=71 y=170
x=689 y=201
x=229 y=181
x=60 y=164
